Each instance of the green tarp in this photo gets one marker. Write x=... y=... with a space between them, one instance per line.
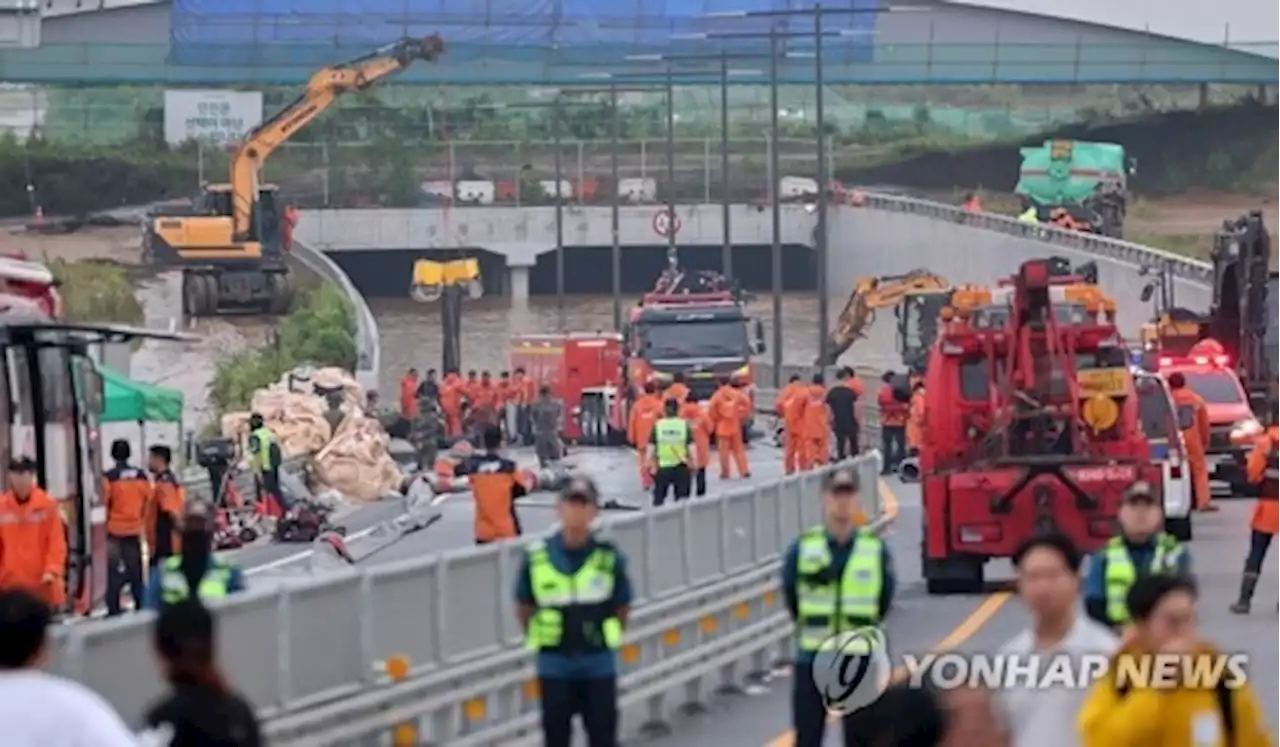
x=133 y=401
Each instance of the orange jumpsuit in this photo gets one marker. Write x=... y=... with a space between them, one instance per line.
x=793 y=453
x=700 y=424
x=644 y=413
x=815 y=428
x=679 y=392
x=785 y=395
x=728 y=409
x=409 y=396
x=487 y=400
x=451 y=396
x=915 y=420
x=33 y=546
x=1266 y=512
x=1196 y=439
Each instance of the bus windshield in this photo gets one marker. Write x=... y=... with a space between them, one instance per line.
x=692 y=340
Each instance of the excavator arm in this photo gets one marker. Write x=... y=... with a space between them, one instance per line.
x=868 y=295
x=324 y=88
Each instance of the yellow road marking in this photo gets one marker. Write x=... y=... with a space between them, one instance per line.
x=971 y=624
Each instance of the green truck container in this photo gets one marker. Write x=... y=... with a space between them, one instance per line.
x=1089 y=180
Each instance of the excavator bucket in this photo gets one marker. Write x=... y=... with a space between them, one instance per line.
x=429 y=47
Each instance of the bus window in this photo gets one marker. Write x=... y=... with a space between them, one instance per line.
x=22 y=440
x=59 y=423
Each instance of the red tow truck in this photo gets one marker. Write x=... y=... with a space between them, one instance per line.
x=1034 y=425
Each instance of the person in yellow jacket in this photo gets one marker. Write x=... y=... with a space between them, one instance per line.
x=1199 y=714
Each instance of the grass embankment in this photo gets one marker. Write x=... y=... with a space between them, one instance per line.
x=320 y=331
x=97 y=292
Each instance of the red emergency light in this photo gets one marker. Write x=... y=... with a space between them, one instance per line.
x=1222 y=361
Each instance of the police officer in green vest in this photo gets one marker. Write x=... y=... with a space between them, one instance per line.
x=573 y=596
x=1141 y=548
x=672 y=447
x=837 y=578
x=1029 y=214
x=264 y=459
x=195 y=568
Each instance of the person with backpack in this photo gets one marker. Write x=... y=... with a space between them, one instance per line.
x=1123 y=711
x=200 y=710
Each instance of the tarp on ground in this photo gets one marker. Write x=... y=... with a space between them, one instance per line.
x=126 y=400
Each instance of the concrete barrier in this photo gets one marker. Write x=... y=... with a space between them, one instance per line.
x=368 y=344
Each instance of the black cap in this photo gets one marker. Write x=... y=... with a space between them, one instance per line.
x=22 y=464
x=1139 y=492
x=843 y=480
x=581 y=489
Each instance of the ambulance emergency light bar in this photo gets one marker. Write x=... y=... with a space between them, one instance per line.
x=1222 y=361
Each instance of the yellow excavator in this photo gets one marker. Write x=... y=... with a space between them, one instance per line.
x=229 y=243
x=873 y=293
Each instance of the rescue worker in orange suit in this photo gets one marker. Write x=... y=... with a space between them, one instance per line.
x=168 y=501
x=33 y=539
x=470 y=386
x=495 y=483
x=700 y=426
x=452 y=393
x=1263 y=469
x=486 y=401
x=815 y=427
x=972 y=203
x=794 y=386
x=915 y=418
x=525 y=390
x=1193 y=418
x=728 y=409
x=791 y=404
x=842 y=401
x=644 y=413
x=893 y=424
x=127 y=491
x=677 y=389
x=409 y=394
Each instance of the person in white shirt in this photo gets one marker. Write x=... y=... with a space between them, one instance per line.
x=39 y=709
x=1048 y=582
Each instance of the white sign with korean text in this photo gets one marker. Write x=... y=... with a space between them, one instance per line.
x=211 y=116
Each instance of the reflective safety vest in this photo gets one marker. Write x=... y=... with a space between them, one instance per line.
x=1029 y=216
x=828 y=606
x=173 y=582
x=572 y=612
x=672 y=437
x=260 y=458
x=1122 y=573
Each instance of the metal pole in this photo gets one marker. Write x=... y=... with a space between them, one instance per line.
x=776 y=205
x=672 y=258
x=823 y=178
x=616 y=249
x=726 y=251
x=555 y=134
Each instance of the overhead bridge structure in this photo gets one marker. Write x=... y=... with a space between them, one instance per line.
x=562 y=42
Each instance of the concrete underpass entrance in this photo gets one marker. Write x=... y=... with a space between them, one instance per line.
x=587 y=270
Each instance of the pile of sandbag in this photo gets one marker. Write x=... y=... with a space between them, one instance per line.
x=351 y=459
x=356 y=461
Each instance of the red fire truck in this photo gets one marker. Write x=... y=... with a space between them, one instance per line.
x=584 y=370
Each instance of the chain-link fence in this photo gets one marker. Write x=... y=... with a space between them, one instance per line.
x=524 y=173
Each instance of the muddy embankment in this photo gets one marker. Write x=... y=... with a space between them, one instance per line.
x=1229 y=149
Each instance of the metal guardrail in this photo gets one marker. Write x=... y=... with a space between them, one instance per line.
x=709 y=611
x=307 y=649
x=368 y=343
x=1115 y=249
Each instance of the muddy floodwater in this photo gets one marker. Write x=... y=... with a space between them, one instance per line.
x=411 y=334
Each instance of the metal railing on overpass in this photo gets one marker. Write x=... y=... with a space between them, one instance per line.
x=368 y=342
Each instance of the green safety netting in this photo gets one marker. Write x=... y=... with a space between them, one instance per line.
x=127 y=400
